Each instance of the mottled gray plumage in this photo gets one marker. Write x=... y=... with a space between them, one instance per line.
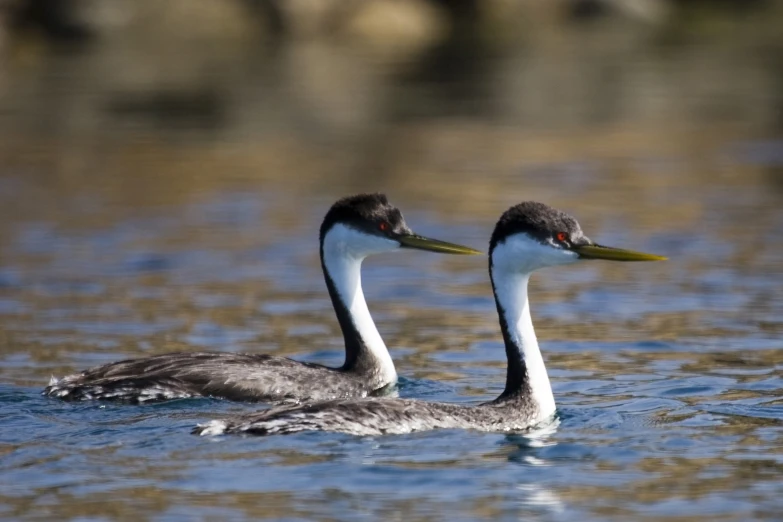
x=247 y=377
x=366 y=224
x=380 y=416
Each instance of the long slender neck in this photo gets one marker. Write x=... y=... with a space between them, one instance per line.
x=526 y=376
x=365 y=351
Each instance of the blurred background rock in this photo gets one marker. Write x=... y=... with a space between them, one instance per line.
x=380 y=94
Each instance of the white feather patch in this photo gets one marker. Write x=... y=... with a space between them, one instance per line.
x=211 y=428
x=513 y=261
x=344 y=250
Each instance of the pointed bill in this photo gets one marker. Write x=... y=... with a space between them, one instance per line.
x=435 y=245
x=613 y=254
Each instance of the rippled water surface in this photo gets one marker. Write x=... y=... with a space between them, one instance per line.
x=135 y=241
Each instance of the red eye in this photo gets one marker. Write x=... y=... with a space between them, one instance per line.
x=561 y=236
x=383 y=226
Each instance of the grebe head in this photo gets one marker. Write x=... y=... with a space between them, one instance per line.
x=527 y=237
x=366 y=224
x=533 y=235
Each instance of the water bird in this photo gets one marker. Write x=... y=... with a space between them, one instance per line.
x=528 y=236
x=354 y=227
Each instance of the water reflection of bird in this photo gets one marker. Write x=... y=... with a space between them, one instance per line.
x=527 y=237
x=354 y=228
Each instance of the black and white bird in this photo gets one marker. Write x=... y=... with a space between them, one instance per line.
x=354 y=228
x=528 y=236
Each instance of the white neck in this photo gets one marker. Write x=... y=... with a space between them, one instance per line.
x=511 y=292
x=343 y=258
x=513 y=261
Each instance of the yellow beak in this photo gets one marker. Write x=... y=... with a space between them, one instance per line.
x=434 y=245
x=613 y=254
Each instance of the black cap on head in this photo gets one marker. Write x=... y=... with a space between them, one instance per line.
x=539 y=221
x=370 y=213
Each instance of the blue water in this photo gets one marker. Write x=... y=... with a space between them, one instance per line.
x=129 y=229
x=668 y=377
x=655 y=441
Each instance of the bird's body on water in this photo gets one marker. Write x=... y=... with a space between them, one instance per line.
x=528 y=236
x=354 y=228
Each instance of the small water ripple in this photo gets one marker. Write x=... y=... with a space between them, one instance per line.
x=668 y=379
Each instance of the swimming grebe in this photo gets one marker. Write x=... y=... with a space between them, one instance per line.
x=354 y=228
x=527 y=237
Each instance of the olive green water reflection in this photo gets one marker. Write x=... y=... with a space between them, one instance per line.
x=159 y=201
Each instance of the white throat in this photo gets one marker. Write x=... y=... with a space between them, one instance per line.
x=511 y=290
x=513 y=261
x=344 y=249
